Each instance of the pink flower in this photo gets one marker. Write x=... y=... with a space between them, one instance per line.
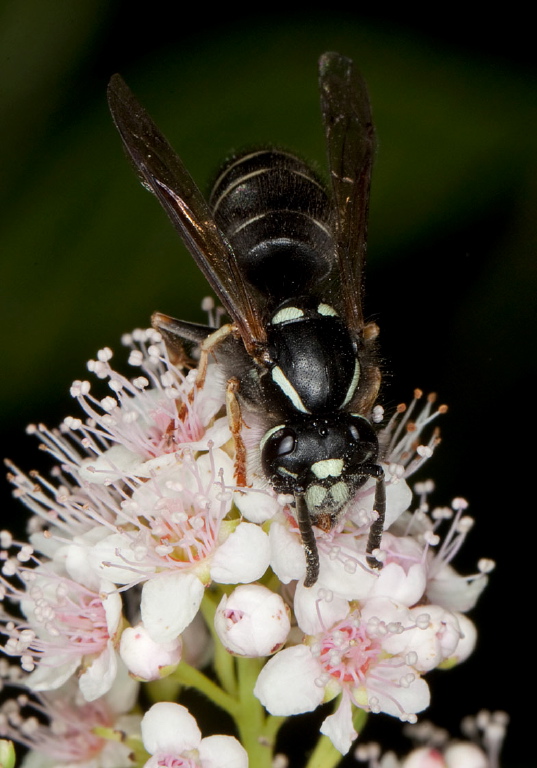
x=62 y=730
x=69 y=627
x=349 y=658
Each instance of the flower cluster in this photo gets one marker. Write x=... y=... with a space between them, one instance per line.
x=145 y=560
x=435 y=748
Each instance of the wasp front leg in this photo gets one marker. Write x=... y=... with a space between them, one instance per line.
x=234 y=416
x=377 y=527
x=208 y=346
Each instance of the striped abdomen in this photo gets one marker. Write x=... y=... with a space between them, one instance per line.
x=276 y=215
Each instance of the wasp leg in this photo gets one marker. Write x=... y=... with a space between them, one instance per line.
x=207 y=347
x=181 y=338
x=234 y=416
x=375 y=532
x=308 y=541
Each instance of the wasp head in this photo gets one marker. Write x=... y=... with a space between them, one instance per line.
x=324 y=460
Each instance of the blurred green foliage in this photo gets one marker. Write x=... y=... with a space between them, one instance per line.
x=85 y=254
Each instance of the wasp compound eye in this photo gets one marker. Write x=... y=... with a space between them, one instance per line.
x=277 y=443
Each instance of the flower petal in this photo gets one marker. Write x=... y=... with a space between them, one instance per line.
x=53 y=675
x=146 y=659
x=114 y=464
x=287 y=683
x=169 y=729
x=243 y=557
x=99 y=676
x=455 y=592
x=252 y=621
x=222 y=752
x=339 y=728
x=396 y=699
x=256 y=506
x=404 y=586
x=317 y=608
x=287 y=558
x=169 y=603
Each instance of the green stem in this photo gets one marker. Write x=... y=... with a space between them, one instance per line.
x=325 y=755
x=359 y=719
x=273 y=724
x=257 y=731
x=193 y=678
x=223 y=662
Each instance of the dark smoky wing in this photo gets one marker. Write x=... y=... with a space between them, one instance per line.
x=350 y=143
x=164 y=174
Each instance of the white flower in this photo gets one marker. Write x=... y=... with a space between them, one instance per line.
x=171 y=735
x=430 y=633
x=444 y=585
x=69 y=628
x=349 y=658
x=144 y=504
x=252 y=621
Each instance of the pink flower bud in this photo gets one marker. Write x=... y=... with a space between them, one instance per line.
x=146 y=659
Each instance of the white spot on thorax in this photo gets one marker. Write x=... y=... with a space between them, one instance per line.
x=326 y=310
x=281 y=381
x=354 y=383
x=286 y=314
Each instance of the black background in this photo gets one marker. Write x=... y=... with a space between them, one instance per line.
x=86 y=256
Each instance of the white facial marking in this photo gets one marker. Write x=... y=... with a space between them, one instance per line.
x=268 y=434
x=326 y=310
x=286 y=314
x=315 y=495
x=281 y=380
x=340 y=492
x=327 y=468
x=284 y=471
x=353 y=384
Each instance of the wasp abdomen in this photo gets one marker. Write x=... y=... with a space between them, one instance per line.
x=276 y=216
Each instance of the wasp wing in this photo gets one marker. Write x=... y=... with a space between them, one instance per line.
x=162 y=171
x=350 y=143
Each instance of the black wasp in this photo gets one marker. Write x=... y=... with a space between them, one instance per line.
x=285 y=257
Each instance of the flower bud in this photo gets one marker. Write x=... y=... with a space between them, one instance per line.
x=424 y=757
x=146 y=659
x=466 y=644
x=252 y=621
x=465 y=755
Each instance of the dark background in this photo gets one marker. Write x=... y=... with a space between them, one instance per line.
x=86 y=255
